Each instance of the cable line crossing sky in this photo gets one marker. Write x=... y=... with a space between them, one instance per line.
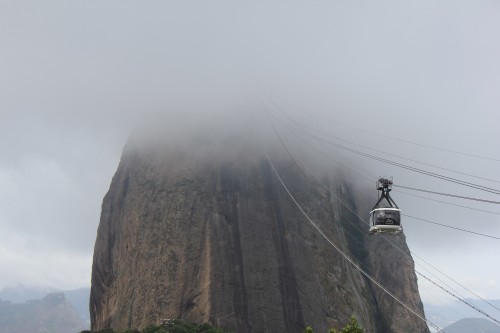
x=453 y=294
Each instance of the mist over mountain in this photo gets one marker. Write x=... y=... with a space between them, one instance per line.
x=21 y=293
x=77 y=298
x=198 y=227
x=53 y=313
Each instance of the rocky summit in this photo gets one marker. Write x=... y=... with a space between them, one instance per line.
x=203 y=230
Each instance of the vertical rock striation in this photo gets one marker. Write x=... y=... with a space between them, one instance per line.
x=206 y=233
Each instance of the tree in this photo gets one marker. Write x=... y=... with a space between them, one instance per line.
x=309 y=330
x=352 y=327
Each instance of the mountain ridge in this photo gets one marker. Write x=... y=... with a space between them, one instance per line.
x=53 y=313
x=467 y=325
x=449 y=313
x=79 y=298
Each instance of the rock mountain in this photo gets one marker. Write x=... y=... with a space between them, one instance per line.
x=202 y=230
x=51 y=314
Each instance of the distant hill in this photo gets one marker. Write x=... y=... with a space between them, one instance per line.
x=79 y=298
x=51 y=314
x=447 y=314
x=469 y=325
x=21 y=293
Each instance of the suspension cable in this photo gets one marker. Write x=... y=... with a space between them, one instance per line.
x=394 y=245
x=340 y=251
x=404 y=166
x=384 y=152
x=272 y=99
x=451 y=227
x=408 y=167
x=448 y=194
x=399 y=249
x=447 y=203
x=474 y=307
x=370 y=178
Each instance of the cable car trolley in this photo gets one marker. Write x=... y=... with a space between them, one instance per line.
x=385 y=216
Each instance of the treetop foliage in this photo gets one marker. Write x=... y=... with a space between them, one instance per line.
x=352 y=327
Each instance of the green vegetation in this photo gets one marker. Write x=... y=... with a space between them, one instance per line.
x=352 y=327
x=171 y=326
x=178 y=326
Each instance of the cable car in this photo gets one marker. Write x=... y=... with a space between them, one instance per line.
x=385 y=216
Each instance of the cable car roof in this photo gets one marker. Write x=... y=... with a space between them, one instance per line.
x=387 y=208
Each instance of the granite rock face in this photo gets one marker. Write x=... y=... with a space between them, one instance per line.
x=205 y=232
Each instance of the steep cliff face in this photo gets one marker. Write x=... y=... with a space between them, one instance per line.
x=206 y=233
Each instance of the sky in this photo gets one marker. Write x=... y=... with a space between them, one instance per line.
x=77 y=76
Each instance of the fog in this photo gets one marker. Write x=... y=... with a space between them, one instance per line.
x=78 y=77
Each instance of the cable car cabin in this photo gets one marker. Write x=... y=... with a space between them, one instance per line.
x=385 y=215
x=385 y=220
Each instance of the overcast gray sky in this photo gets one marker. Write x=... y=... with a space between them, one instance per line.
x=76 y=75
